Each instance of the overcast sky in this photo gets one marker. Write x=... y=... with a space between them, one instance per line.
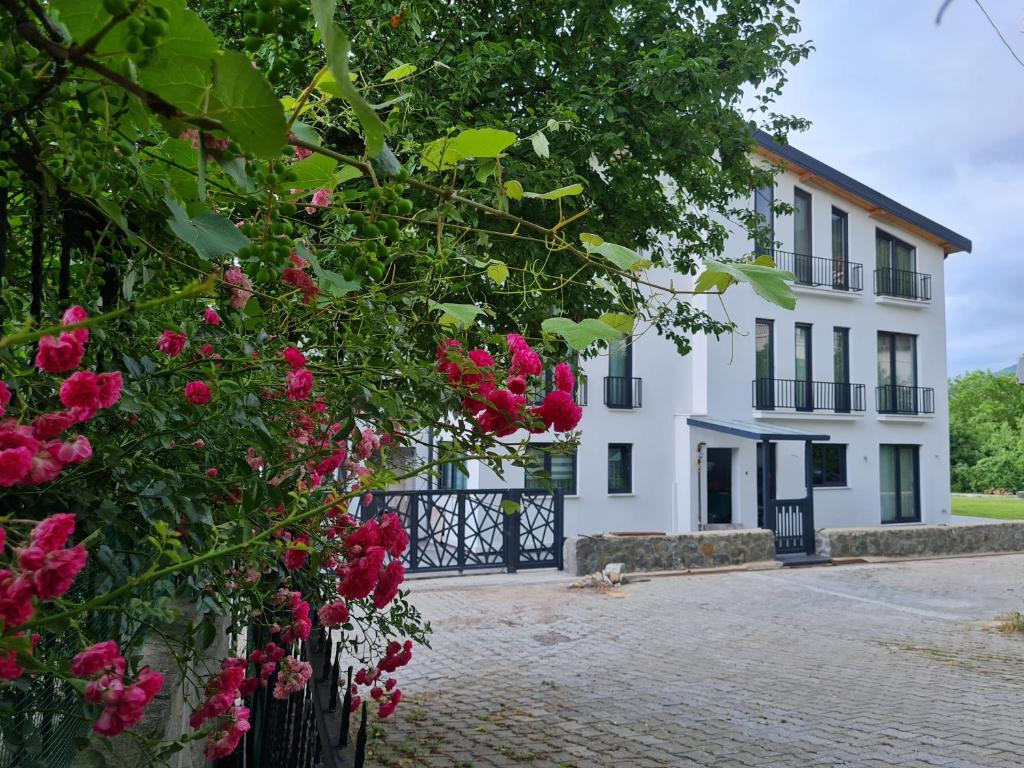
x=932 y=116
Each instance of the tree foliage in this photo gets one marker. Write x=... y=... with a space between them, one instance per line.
x=985 y=432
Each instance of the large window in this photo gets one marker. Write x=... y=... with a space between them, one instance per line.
x=804 y=399
x=764 y=198
x=802 y=261
x=619 y=384
x=900 y=470
x=896 y=267
x=840 y=250
x=550 y=469
x=897 y=373
x=620 y=468
x=450 y=477
x=829 y=465
x=764 y=363
x=841 y=368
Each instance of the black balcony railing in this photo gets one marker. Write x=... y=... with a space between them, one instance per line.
x=799 y=395
x=623 y=392
x=894 y=398
x=818 y=271
x=903 y=284
x=538 y=392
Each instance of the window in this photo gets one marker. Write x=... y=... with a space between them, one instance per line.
x=804 y=399
x=900 y=469
x=450 y=476
x=620 y=468
x=764 y=364
x=896 y=268
x=897 y=373
x=802 y=261
x=840 y=250
x=619 y=384
x=829 y=465
x=841 y=369
x=550 y=469
x=764 y=198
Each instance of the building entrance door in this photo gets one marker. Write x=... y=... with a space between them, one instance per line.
x=719 y=486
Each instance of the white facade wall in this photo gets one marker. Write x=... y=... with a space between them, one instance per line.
x=716 y=380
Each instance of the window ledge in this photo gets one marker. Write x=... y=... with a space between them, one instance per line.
x=899 y=301
x=832 y=487
x=621 y=495
x=809 y=415
x=824 y=290
x=906 y=417
x=907 y=523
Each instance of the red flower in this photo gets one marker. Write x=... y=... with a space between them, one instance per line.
x=524 y=359
x=564 y=380
x=294 y=358
x=392 y=534
x=74 y=452
x=15 y=463
x=197 y=392
x=58 y=569
x=211 y=317
x=52 y=424
x=81 y=390
x=16 y=594
x=75 y=314
x=359 y=576
x=559 y=411
x=9 y=667
x=300 y=384
x=5 y=397
x=334 y=614
x=171 y=343
x=387 y=584
x=296 y=554
x=60 y=354
x=101 y=657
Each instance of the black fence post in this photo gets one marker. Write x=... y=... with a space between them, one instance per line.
x=511 y=528
x=414 y=532
x=460 y=505
x=559 y=527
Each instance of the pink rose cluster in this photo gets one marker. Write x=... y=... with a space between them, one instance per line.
x=30 y=454
x=334 y=614
x=385 y=692
x=220 y=706
x=300 y=625
x=503 y=410
x=123 y=702
x=365 y=573
x=292 y=676
x=297 y=277
x=240 y=287
x=45 y=569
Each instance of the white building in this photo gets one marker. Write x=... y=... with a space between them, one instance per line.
x=848 y=389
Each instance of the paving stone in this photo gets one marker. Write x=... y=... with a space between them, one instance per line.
x=849 y=667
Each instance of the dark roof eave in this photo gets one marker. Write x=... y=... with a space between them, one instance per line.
x=957 y=241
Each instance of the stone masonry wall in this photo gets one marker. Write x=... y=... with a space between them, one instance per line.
x=920 y=540
x=672 y=552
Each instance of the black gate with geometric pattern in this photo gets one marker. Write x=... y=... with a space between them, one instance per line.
x=463 y=530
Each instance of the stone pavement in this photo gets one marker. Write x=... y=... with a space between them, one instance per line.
x=892 y=664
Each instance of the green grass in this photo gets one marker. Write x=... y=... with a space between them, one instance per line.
x=999 y=507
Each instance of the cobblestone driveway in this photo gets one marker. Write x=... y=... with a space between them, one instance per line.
x=865 y=665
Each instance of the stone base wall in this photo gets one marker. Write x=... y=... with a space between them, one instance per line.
x=920 y=540
x=672 y=552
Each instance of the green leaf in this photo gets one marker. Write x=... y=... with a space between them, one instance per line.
x=400 y=72
x=619 y=255
x=461 y=315
x=620 y=322
x=180 y=69
x=589 y=238
x=337 y=46
x=509 y=507
x=315 y=172
x=483 y=142
x=209 y=233
x=498 y=272
x=334 y=283
x=244 y=102
x=513 y=189
x=486 y=170
x=439 y=155
x=556 y=194
x=540 y=144
x=769 y=283
x=582 y=334
x=83 y=18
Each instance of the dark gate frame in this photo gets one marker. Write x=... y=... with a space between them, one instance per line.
x=531 y=529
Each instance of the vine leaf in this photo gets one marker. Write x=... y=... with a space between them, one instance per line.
x=513 y=189
x=244 y=102
x=400 y=72
x=315 y=172
x=337 y=46
x=181 y=68
x=622 y=257
x=459 y=315
x=768 y=282
x=209 y=233
x=540 y=144
x=622 y=323
x=557 y=194
x=483 y=142
x=582 y=334
x=498 y=272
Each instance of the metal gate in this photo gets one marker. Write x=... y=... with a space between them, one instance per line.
x=462 y=530
x=793 y=526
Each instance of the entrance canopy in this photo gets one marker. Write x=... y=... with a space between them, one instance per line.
x=753 y=430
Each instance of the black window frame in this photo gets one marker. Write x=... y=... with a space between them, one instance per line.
x=446 y=472
x=539 y=484
x=900 y=519
x=842 y=390
x=621 y=396
x=766 y=192
x=803 y=263
x=764 y=387
x=627 y=462
x=840 y=279
x=819 y=466
x=804 y=399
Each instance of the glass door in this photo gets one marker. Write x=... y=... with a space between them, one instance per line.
x=764 y=199
x=840 y=251
x=764 y=365
x=803 y=395
x=841 y=369
x=618 y=386
x=899 y=474
x=802 y=258
x=897 y=373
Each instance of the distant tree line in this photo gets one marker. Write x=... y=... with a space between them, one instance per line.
x=986 y=417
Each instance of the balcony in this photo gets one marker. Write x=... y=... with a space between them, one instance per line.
x=906 y=401
x=821 y=272
x=903 y=284
x=623 y=392
x=538 y=392
x=807 y=396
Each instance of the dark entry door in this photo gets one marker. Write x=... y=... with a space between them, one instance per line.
x=760 y=482
x=719 y=486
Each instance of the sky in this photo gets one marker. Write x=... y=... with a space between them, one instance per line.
x=933 y=117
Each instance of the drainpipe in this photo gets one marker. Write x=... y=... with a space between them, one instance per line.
x=430 y=458
x=700 y=491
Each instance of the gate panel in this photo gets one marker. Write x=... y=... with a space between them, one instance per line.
x=790 y=532
x=540 y=534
